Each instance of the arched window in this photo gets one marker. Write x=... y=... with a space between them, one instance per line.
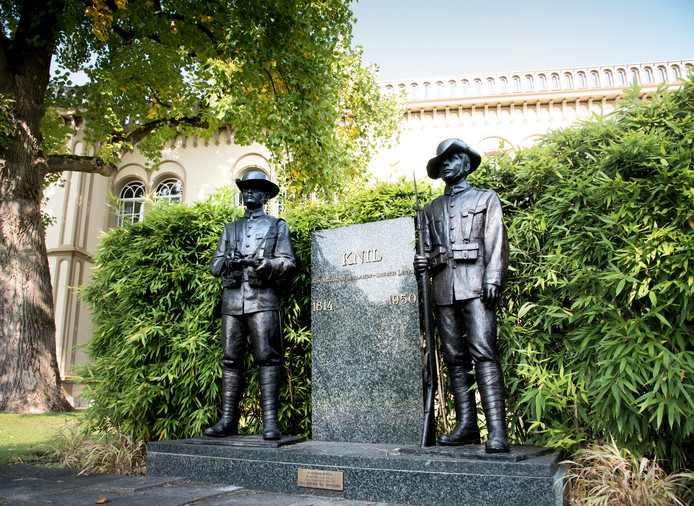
x=466 y=88
x=607 y=76
x=414 y=90
x=594 y=80
x=169 y=191
x=621 y=77
x=478 y=87
x=529 y=84
x=662 y=75
x=451 y=88
x=675 y=72
x=490 y=86
x=389 y=90
x=648 y=75
x=439 y=89
x=401 y=87
x=635 y=76
x=503 y=85
x=516 y=84
x=543 y=83
x=581 y=80
x=131 y=203
x=427 y=90
x=555 y=82
x=568 y=81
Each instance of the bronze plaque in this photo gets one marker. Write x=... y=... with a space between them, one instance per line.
x=327 y=480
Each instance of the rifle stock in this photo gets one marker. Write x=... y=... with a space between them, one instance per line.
x=429 y=376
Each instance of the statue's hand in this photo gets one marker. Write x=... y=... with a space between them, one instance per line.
x=263 y=267
x=232 y=256
x=229 y=260
x=490 y=295
x=420 y=264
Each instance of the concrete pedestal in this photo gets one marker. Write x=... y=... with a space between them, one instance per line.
x=371 y=472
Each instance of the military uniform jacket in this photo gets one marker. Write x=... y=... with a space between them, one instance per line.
x=253 y=236
x=465 y=243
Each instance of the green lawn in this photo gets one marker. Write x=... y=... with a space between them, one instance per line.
x=23 y=438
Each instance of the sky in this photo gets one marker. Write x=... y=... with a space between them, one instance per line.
x=411 y=39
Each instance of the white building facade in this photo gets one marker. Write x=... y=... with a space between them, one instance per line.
x=512 y=109
x=488 y=111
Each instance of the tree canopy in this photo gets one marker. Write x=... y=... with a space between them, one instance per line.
x=280 y=73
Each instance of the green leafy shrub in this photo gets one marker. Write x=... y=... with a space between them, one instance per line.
x=597 y=323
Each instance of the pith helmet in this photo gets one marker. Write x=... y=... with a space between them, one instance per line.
x=257 y=179
x=447 y=147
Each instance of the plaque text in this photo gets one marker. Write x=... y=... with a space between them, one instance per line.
x=361 y=257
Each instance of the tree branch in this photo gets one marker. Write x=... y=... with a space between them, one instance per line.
x=90 y=164
x=143 y=131
x=158 y=12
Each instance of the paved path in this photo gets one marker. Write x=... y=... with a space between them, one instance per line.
x=22 y=484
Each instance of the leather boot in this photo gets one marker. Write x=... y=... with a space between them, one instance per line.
x=490 y=382
x=232 y=388
x=466 y=430
x=269 y=400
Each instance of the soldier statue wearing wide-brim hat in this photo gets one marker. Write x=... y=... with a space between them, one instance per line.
x=253 y=252
x=466 y=255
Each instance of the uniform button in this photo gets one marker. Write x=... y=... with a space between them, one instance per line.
x=455 y=266
x=452 y=228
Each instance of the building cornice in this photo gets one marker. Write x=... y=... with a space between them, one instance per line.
x=597 y=83
x=71 y=252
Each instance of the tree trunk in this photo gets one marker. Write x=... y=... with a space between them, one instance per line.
x=29 y=377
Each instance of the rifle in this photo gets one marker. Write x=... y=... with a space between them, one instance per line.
x=429 y=369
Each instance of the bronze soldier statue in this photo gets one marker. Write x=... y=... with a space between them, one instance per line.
x=466 y=254
x=253 y=252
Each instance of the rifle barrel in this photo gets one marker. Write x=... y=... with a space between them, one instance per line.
x=429 y=373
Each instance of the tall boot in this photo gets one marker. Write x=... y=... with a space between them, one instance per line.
x=490 y=382
x=466 y=430
x=269 y=400
x=232 y=388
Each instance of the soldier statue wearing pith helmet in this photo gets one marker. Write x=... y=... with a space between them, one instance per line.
x=253 y=252
x=466 y=255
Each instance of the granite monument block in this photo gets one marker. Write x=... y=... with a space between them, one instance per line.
x=366 y=351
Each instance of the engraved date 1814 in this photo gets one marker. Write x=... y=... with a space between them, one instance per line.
x=322 y=305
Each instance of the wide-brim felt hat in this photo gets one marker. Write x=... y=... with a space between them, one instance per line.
x=447 y=147
x=257 y=179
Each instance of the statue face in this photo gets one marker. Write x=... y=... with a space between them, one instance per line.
x=253 y=198
x=455 y=167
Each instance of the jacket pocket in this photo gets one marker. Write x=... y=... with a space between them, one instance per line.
x=466 y=252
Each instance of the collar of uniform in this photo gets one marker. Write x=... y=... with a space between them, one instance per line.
x=254 y=213
x=458 y=187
